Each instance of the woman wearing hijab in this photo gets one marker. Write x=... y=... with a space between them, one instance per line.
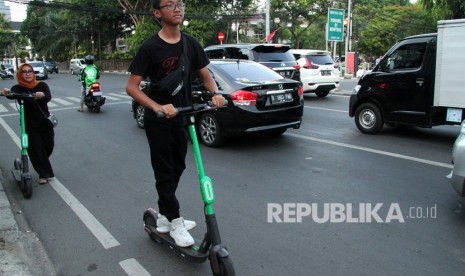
x=38 y=127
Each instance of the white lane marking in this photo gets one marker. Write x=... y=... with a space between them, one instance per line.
x=327 y=109
x=126 y=96
x=3 y=109
x=94 y=226
x=111 y=98
x=61 y=101
x=133 y=268
x=50 y=104
x=10 y=132
x=391 y=154
x=14 y=106
x=74 y=99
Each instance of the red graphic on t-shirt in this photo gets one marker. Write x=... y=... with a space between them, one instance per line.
x=169 y=65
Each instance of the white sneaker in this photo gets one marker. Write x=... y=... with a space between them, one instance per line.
x=164 y=226
x=179 y=233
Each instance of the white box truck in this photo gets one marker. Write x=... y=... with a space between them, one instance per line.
x=420 y=82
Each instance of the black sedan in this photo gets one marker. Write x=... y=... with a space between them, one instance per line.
x=259 y=101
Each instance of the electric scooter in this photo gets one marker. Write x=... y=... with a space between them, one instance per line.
x=211 y=246
x=20 y=169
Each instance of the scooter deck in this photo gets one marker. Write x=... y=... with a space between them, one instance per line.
x=190 y=253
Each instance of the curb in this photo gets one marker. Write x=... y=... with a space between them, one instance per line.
x=21 y=252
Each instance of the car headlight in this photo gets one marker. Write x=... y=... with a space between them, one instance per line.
x=356 y=88
x=462 y=129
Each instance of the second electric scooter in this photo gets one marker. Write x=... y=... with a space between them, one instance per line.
x=211 y=246
x=20 y=169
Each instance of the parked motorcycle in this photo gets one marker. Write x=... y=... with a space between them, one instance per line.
x=94 y=99
x=6 y=74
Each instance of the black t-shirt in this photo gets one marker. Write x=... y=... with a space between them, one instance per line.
x=156 y=58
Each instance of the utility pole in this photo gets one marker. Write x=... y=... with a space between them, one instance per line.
x=349 y=20
x=267 y=19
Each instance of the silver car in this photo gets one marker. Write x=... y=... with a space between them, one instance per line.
x=39 y=69
x=457 y=175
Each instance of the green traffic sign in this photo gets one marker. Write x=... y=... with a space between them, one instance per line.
x=335 y=30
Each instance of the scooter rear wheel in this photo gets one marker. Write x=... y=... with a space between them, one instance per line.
x=225 y=266
x=27 y=188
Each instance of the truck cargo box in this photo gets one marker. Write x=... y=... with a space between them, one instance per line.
x=449 y=89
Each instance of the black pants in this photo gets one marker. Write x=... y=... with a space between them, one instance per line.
x=168 y=148
x=41 y=143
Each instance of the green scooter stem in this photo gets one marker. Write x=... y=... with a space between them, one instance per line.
x=24 y=137
x=206 y=185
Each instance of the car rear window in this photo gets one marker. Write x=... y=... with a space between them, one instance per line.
x=278 y=55
x=248 y=71
x=36 y=64
x=320 y=59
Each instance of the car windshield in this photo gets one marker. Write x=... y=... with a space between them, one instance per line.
x=82 y=61
x=247 y=72
x=320 y=59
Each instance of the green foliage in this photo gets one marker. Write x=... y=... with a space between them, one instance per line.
x=301 y=14
x=62 y=33
x=141 y=33
x=444 y=9
x=391 y=24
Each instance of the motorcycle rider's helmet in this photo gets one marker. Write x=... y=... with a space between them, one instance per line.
x=89 y=59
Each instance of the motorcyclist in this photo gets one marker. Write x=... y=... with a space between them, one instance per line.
x=89 y=75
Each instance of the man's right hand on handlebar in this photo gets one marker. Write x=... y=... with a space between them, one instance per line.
x=218 y=100
x=168 y=110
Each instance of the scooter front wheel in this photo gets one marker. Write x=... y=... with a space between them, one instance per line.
x=225 y=266
x=27 y=188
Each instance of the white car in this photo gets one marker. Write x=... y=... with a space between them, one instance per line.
x=457 y=175
x=319 y=73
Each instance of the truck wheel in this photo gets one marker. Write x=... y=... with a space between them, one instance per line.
x=368 y=118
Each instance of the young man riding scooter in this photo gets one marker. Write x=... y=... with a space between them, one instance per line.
x=89 y=75
x=169 y=59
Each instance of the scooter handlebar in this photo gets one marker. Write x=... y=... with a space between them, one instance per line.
x=17 y=96
x=194 y=108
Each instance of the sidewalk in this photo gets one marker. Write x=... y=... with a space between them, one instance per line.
x=21 y=252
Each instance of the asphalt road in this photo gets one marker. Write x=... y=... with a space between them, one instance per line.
x=322 y=200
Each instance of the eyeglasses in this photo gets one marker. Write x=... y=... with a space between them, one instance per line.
x=27 y=71
x=172 y=6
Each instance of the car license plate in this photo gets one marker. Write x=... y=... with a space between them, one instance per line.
x=325 y=72
x=281 y=98
x=99 y=93
x=285 y=73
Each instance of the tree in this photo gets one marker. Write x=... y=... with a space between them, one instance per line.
x=301 y=14
x=444 y=9
x=389 y=25
x=75 y=27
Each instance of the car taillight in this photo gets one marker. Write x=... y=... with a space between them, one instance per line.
x=297 y=67
x=244 y=98
x=310 y=65
x=300 y=92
